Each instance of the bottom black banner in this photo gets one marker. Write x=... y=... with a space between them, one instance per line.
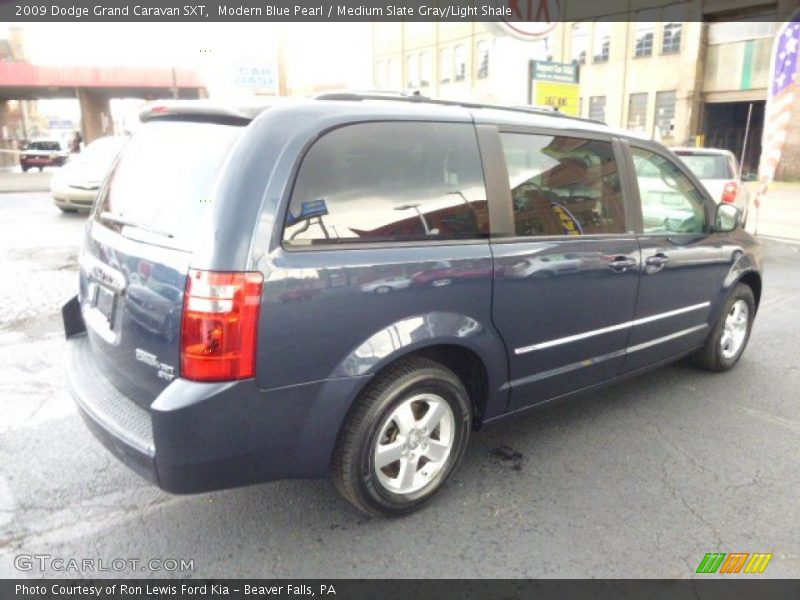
x=413 y=589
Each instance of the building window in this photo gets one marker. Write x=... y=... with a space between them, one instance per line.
x=446 y=65
x=395 y=78
x=672 y=38
x=380 y=73
x=483 y=59
x=412 y=68
x=597 y=108
x=602 y=41
x=461 y=63
x=673 y=15
x=644 y=33
x=665 y=113
x=637 y=112
x=580 y=42
x=426 y=69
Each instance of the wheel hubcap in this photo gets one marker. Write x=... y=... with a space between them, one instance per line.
x=414 y=443
x=735 y=329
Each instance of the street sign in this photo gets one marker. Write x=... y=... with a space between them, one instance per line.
x=261 y=78
x=555 y=84
x=61 y=124
x=562 y=96
x=545 y=70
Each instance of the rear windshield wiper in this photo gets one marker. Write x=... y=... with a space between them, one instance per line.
x=120 y=220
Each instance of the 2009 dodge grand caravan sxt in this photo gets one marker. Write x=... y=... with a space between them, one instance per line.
x=347 y=286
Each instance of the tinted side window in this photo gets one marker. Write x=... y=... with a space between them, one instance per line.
x=563 y=185
x=379 y=182
x=670 y=201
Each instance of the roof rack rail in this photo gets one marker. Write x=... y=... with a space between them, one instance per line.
x=415 y=97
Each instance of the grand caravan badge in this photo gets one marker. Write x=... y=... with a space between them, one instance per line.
x=165 y=371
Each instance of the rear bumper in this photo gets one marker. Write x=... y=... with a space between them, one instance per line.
x=42 y=161
x=122 y=426
x=198 y=437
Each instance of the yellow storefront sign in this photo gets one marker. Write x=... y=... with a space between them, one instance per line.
x=563 y=96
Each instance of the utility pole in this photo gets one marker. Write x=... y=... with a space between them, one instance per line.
x=282 y=87
x=744 y=144
x=174 y=84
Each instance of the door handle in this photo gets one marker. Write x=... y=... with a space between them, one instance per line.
x=658 y=261
x=621 y=264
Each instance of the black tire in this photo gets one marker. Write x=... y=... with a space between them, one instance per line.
x=24 y=168
x=353 y=467
x=67 y=210
x=710 y=357
x=41 y=169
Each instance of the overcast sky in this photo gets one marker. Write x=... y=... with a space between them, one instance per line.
x=316 y=52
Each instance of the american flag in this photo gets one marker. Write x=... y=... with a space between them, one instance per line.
x=781 y=94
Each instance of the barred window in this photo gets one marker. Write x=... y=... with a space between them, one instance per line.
x=637 y=112
x=673 y=15
x=597 y=108
x=412 y=68
x=426 y=69
x=381 y=74
x=645 y=32
x=483 y=59
x=395 y=74
x=602 y=41
x=461 y=63
x=580 y=42
x=446 y=65
x=665 y=112
x=672 y=38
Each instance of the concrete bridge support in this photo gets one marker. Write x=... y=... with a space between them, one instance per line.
x=96 y=118
x=7 y=158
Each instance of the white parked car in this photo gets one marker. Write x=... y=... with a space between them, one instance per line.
x=718 y=170
x=75 y=186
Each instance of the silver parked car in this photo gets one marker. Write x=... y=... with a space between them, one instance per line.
x=718 y=170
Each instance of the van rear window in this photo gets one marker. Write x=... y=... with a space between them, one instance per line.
x=163 y=178
x=708 y=166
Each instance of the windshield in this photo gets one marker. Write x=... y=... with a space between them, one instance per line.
x=52 y=146
x=164 y=176
x=708 y=166
x=102 y=151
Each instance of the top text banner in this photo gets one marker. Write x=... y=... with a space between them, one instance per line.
x=522 y=18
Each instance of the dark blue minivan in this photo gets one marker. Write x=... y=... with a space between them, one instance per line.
x=347 y=286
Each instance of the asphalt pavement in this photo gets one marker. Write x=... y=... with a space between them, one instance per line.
x=639 y=480
x=13 y=180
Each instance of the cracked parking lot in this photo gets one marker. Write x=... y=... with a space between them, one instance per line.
x=639 y=480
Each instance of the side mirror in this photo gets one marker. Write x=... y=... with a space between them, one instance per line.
x=727 y=218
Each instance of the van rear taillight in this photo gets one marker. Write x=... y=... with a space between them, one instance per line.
x=220 y=324
x=729 y=192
